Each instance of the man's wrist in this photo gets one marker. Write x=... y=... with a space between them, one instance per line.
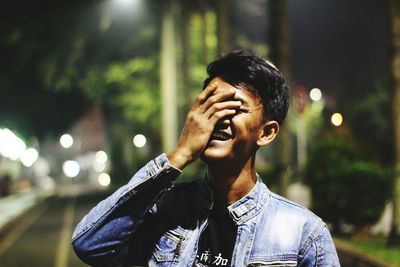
x=179 y=158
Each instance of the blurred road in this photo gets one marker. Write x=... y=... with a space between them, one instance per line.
x=42 y=236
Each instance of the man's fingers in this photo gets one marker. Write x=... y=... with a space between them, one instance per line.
x=220 y=97
x=217 y=116
x=205 y=94
x=221 y=106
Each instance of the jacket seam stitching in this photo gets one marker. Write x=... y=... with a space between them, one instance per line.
x=312 y=238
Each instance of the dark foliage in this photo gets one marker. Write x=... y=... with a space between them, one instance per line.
x=345 y=186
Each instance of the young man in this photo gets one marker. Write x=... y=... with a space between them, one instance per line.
x=227 y=218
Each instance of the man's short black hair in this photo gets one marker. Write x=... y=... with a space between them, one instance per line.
x=243 y=68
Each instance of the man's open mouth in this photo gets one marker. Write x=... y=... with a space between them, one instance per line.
x=221 y=136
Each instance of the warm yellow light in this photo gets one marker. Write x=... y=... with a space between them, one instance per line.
x=104 y=179
x=337 y=119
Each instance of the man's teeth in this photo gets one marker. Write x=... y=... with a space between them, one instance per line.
x=221 y=136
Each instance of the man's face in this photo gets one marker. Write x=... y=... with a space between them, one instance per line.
x=235 y=137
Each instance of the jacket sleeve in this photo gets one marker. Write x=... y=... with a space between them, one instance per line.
x=101 y=237
x=321 y=251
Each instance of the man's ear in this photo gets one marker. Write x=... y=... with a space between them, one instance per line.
x=268 y=133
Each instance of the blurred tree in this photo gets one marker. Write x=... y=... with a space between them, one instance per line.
x=279 y=54
x=168 y=75
x=245 y=20
x=198 y=41
x=60 y=58
x=27 y=34
x=203 y=8
x=187 y=86
x=198 y=46
x=394 y=237
x=340 y=179
x=372 y=110
x=223 y=27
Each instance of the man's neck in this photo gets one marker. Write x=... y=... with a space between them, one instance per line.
x=233 y=181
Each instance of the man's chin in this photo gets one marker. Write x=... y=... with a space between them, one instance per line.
x=213 y=154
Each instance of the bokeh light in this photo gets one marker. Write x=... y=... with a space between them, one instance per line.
x=71 y=168
x=337 y=119
x=126 y=3
x=101 y=157
x=315 y=94
x=104 y=179
x=11 y=146
x=139 y=140
x=66 y=140
x=29 y=157
x=99 y=166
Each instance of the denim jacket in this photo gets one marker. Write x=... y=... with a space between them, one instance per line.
x=154 y=221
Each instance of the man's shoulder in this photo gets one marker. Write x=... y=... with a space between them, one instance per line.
x=288 y=225
x=284 y=205
x=286 y=214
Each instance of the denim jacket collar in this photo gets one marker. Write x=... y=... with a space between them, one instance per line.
x=242 y=210
x=251 y=204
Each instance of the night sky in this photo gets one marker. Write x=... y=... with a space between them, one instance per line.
x=335 y=44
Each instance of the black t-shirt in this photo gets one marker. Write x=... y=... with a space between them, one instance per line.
x=217 y=241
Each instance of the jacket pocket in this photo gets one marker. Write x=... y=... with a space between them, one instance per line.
x=285 y=260
x=168 y=246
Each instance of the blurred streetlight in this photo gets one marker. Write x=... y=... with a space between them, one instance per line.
x=11 y=146
x=104 y=179
x=125 y=2
x=66 y=141
x=315 y=94
x=337 y=119
x=101 y=157
x=71 y=168
x=126 y=5
x=29 y=157
x=139 y=140
x=99 y=166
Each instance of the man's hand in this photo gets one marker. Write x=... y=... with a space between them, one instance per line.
x=209 y=108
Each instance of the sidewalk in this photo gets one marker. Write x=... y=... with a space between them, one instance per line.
x=13 y=206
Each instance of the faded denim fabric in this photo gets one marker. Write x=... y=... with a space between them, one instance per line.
x=153 y=221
